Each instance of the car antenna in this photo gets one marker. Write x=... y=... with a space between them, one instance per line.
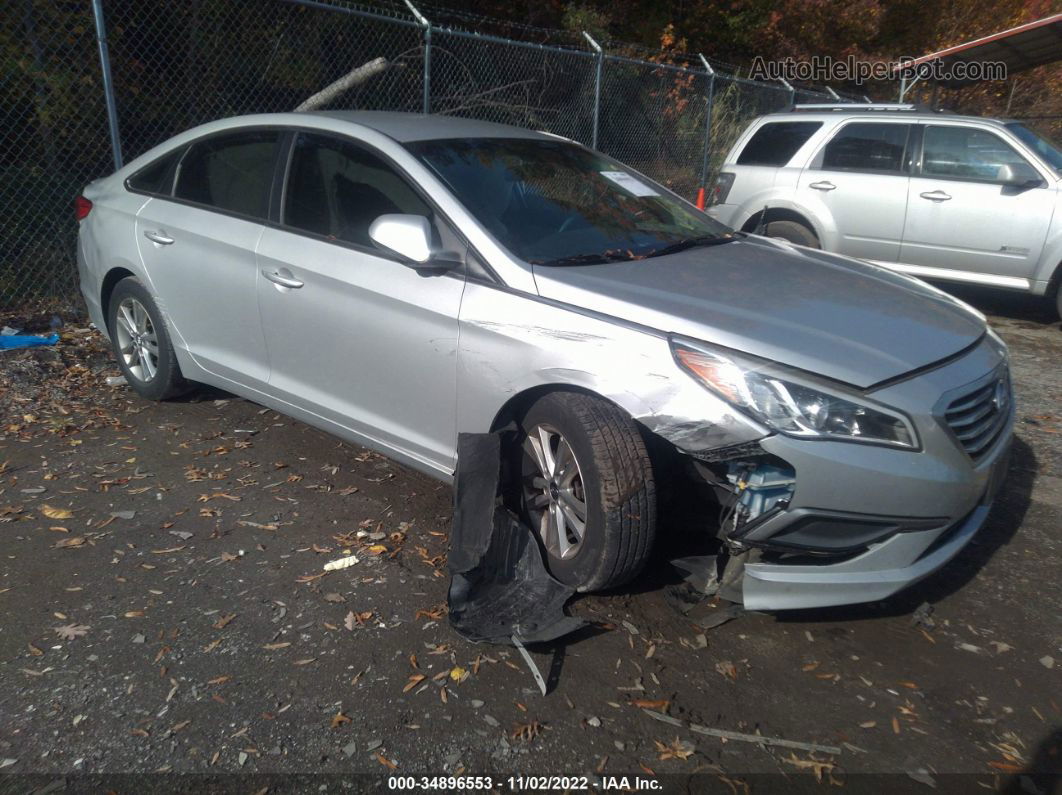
x=761 y=226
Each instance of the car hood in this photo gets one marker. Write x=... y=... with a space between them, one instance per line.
x=838 y=317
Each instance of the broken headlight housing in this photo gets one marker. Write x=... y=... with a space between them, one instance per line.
x=788 y=402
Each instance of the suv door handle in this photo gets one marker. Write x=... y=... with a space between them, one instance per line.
x=158 y=237
x=822 y=185
x=284 y=279
x=935 y=196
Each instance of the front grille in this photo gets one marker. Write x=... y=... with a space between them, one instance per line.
x=978 y=417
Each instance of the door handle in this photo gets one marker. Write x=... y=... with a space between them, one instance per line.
x=283 y=280
x=935 y=196
x=158 y=237
x=822 y=185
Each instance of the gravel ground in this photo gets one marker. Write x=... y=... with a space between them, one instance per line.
x=164 y=609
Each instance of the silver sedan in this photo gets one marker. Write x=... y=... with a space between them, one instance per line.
x=400 y=279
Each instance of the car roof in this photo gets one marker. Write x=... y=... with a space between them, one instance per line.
x=406 y=127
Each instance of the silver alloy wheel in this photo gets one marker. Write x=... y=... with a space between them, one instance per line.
x=137 y=342
x=553 y=491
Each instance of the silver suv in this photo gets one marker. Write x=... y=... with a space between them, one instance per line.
x=935 y=195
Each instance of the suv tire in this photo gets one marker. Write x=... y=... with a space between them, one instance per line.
x=794 y=232
x=594 y=473
x=141 y=342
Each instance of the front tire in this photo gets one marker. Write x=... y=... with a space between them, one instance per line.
x=794 y=232
x=141 y=342
x=587 y=490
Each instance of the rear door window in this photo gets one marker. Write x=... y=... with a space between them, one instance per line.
x=337 y=189
x=232 y=172
x=868 y=146
x=775 y=143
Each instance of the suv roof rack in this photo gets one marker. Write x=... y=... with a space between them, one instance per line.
x=819 y=107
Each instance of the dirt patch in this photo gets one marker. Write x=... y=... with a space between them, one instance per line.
x=165 y=607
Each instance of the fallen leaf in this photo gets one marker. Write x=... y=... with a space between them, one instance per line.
x=818 y=767
x=57 y=513
x=224 y=621
x=71 y=631
x=34 y=650
x=677 y=749
x=727 y=669
x=274 y=646
x=339 y=719
x=1006 y=767
x=383 y=760
x=414 y=680
x=644 y=703
x=306 y=661
x=527 y=731
x=73 y=541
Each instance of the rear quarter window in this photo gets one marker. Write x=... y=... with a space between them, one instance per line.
x=157 y=177
x=775 y=143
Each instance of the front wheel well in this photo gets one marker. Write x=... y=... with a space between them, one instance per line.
x=516 y=406
x=663 y=453
x=777 y=214
x=114 y=275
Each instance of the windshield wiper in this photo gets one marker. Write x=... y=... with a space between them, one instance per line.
x=596 y=258
x=693 y=242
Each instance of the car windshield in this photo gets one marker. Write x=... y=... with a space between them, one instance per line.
x=557 y=203
x=1047 y=151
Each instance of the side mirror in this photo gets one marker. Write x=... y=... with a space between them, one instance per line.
x=409 y=236
x=1017 y=175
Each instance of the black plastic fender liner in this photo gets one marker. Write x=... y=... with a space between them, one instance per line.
x=499 y=586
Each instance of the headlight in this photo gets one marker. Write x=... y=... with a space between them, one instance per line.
x=789 y=403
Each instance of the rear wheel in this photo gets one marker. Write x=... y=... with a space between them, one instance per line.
x=794 y=232
x=141 y=343
x=587 y=490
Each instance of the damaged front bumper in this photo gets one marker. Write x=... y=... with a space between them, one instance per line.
x=882 y=570
x=821 y=524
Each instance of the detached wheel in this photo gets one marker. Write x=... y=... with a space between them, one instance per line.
x=141 y=343
x=587 y=490
x=794 y=232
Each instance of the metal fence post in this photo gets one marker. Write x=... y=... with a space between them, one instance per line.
x=708 y=97
x=597 y=86
x=426 y=101
x=108 y=84
x=792 y=91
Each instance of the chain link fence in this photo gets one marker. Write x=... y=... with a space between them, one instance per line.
x=174 y=65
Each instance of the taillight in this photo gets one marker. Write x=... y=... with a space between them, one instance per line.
x=721 y=188
x=82 y=207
